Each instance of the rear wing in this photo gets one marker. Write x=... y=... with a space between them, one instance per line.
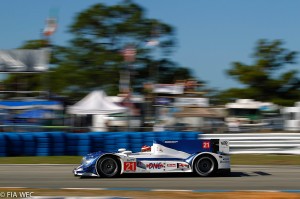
x=221 y=146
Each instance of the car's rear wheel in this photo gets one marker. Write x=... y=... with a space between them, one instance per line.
x=108 y=167
x=205 y=166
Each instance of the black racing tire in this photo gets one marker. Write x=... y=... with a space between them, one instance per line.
x=205 y=165
x=108 y=167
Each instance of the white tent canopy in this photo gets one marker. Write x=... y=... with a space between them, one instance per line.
x=95 y=103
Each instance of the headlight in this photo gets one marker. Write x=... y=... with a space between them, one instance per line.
x=87 y=161
x=83 y=160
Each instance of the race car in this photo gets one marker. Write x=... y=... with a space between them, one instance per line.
x=203 y=157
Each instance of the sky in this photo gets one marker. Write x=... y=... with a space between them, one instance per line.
x=211 y=34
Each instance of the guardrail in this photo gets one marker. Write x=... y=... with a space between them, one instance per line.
x=260 y=143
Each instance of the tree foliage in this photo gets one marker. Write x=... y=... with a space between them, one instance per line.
x=101 y=33
x=94 y=56
x=262 y=79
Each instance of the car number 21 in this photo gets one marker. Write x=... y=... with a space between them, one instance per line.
x=206 y=145
x=129 y=166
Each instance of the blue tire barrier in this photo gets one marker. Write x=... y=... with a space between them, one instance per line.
x=136 y=145
x=3 y=151
x=174 y=135
x=149 y=134
x=61 y=143
x=148 y=143
x=136 y=135
x=71 y=139
x=77 y=144
x=84 y=144
x=83 y=150
x=57 y=136
x=109 y=139
x=29 y=144
x=132 y=145
x=137 y=140
x=96 y=141
x=71 y=144
x=122 y=138
x=57 y=143
x=148 y=138
x=71 y=150
x=135 y=150
x=141 y=141
x=162 y=136
x=110 y=148
x=163 y=133
x=14 y=144
x=125 y=145
x=122 y=144
x=42 y=144
x=2 y=146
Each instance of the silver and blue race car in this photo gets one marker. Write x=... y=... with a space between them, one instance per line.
x=203 y=157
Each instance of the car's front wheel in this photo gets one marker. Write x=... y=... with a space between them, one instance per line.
x=108 y=167
x=205 y=166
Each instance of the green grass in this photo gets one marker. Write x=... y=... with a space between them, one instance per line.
x=244 y=159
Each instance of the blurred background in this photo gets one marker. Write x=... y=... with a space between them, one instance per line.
x=117 y=73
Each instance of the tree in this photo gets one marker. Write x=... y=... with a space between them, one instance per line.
x=262 y=79
x=93 y=58
x=162 y=71
x=101 y=33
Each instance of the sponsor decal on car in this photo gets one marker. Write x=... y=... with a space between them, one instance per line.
x=171 y=141
x=225 y=142
x=158 y=165
x=225 y=160
x=141 y=165
x=182 y=165
x=171 y=165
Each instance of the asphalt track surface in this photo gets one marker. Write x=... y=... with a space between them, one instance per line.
x=241 y=178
